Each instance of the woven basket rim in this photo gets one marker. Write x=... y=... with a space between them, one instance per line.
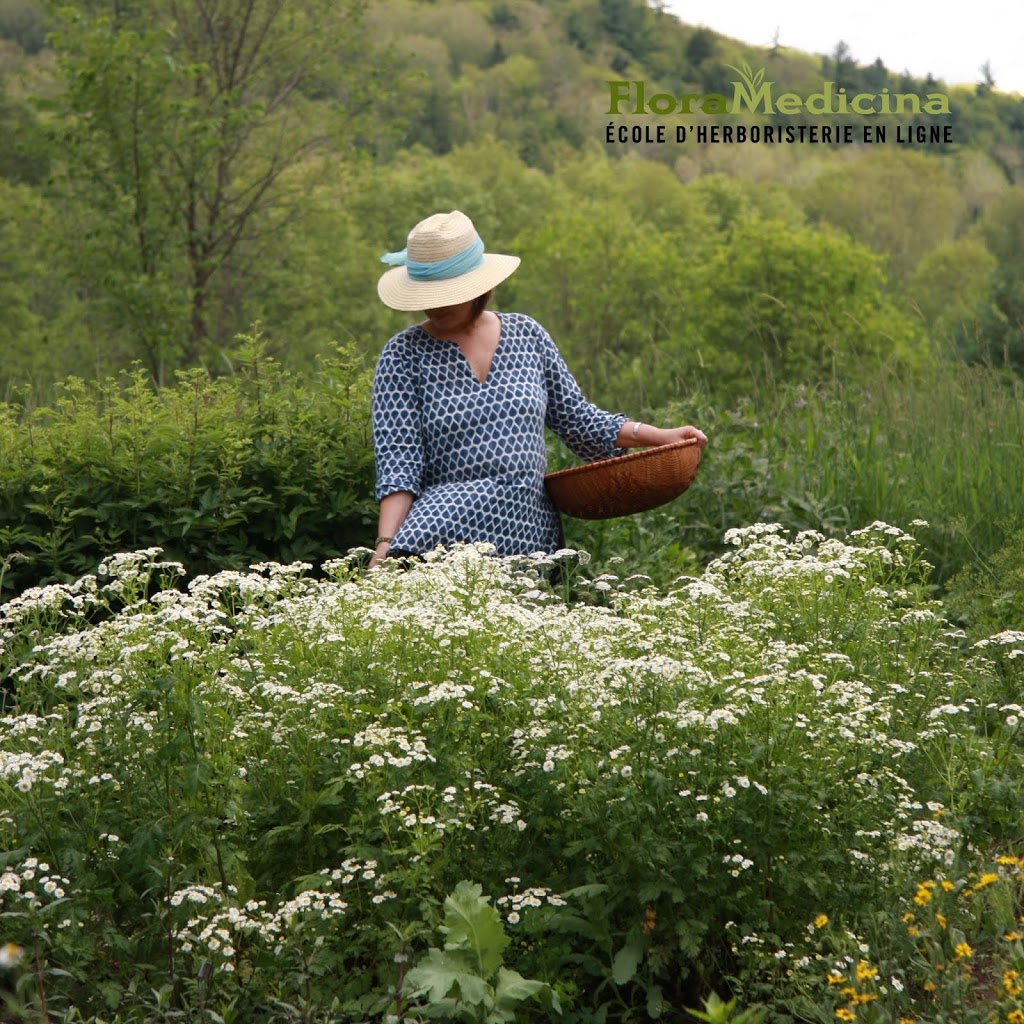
x=618 y=460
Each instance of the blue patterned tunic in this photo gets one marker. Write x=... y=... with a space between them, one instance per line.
x=473 y=454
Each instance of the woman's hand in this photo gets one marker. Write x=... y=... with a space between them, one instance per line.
x=380 y=552
x=642 y=435
x=686 y=433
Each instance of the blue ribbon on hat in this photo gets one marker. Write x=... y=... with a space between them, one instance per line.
x=469 y=259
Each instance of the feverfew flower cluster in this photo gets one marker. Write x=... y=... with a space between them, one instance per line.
x=219 y=927
x=32 y=885
x=769 y=727
x=518 y=902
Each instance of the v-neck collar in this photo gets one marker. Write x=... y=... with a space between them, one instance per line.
x=464 y=359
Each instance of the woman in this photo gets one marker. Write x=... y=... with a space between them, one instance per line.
x=460 y=402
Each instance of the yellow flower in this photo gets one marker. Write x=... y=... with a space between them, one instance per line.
x=1013 y=936
x=986 y=879
x=835 y=978
x=848 y=991
x=942 y=921
x=912 y=931
x=962 y=950
x=948 y=885
x=906 y=1020
x=863 y=998
x=1012 y=983
x=929 y=986
x=865 y=971
x=1006 y=860
x=1015 y=1017
x=924 y=895
x=821 y=920
x=844 y=1014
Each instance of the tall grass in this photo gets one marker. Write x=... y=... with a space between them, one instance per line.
x=945 y=446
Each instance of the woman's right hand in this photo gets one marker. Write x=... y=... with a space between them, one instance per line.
x=380 y=553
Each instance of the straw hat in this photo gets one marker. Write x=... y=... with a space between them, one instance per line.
x=443 y=264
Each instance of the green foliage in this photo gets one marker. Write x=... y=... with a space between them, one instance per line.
x=41 y=331
x=1002 y=339
x=792 y=305
x=177 y=135
x=467 y=980
x=717 y=1011
x=24 y=22
x=263 y=791
x=899 y=204
x=953 y=287
x=988 y=593
x=942 y=446
x=218 y=472
x=25 y=158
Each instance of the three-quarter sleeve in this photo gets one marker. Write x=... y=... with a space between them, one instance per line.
x=588 y=431
x=397 y=423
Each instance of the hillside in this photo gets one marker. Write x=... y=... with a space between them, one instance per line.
x=152 y=207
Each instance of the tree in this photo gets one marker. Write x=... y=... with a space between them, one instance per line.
x=792 y=304
x=900 y=204
x=953 y=290
x=183 y=122
x=1002 y=227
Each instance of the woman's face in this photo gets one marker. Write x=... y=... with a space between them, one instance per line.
x=451 y=318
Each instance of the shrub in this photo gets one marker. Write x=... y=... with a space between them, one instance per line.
x=220 y=473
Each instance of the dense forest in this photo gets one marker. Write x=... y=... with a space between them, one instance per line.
x=176 y=170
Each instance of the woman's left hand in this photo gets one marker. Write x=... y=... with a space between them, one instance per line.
x=674 y=434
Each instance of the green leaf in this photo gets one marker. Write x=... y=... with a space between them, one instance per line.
x=626 y=962
x=473 y=925
x=655 y=1002
x=513 y=988
x=441 y=974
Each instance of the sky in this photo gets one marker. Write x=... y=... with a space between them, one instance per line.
x=949 y=40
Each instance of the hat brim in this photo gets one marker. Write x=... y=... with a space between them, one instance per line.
x=399 y=291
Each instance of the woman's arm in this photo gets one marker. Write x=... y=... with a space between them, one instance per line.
x=393 y=510
x=633 y=434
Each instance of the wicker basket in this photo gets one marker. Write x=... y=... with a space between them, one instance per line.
x=627 y=484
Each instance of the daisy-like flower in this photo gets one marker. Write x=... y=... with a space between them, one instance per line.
x=11 y=955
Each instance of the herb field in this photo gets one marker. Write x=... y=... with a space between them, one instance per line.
x=487 y=789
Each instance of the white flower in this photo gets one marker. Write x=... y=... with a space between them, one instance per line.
x=10 y=955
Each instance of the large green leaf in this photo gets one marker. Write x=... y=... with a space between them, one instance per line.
x=442 y=974
x=513 y=988
x=626 y=962
x=473 y=926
